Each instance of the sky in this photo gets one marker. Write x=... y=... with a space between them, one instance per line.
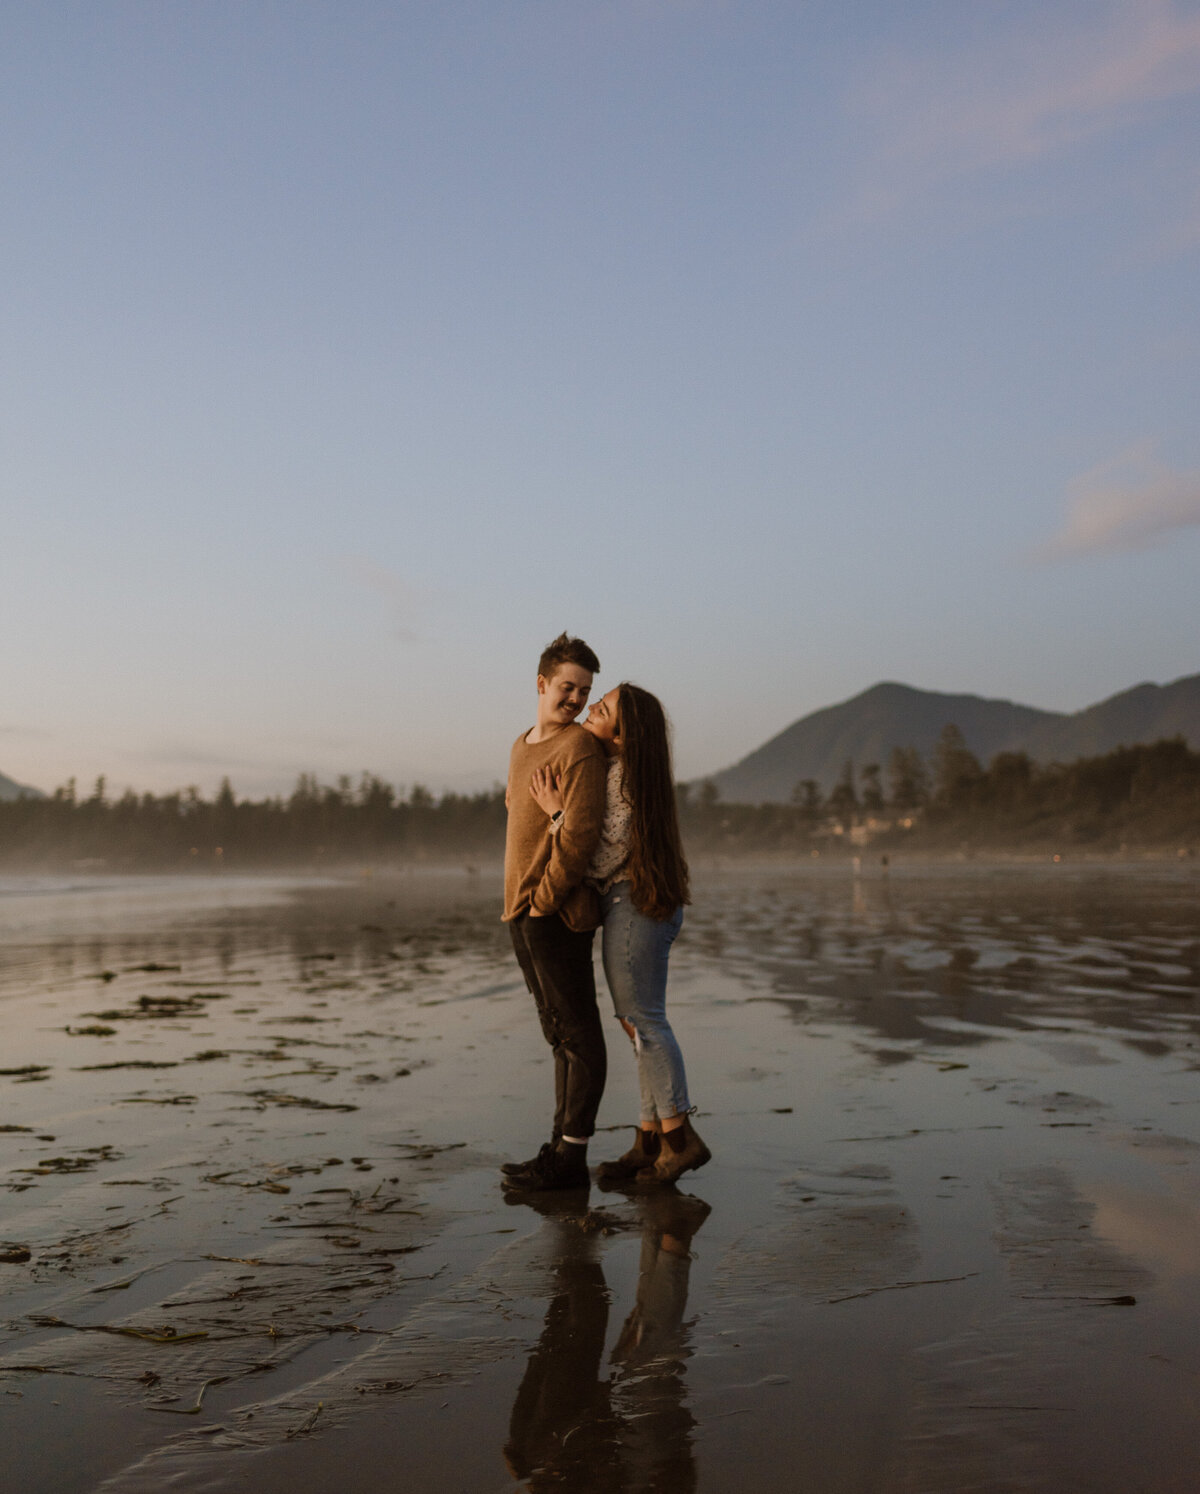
x=350 y=351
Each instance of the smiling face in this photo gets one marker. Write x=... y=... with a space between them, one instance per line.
x=563 y=695
x=604 y=720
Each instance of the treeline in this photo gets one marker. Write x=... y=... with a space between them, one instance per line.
x=316 y=825
x=1145 y=796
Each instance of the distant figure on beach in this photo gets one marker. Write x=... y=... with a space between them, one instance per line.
x=640 y=873
x=551 y=912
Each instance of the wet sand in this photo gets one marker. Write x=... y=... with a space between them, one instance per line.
x=253 y=1236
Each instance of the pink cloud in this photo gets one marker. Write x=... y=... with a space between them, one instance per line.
x=1021 y=97
x=1129 y=503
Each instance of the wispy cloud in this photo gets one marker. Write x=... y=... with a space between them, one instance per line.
x=1009 y=99
x=401 y=596
x=187 y=755
x=1129 y=503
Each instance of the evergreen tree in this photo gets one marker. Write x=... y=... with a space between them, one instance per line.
x=908 y=779
x=1007 y=784
x=872 y=792
x=956 y=769
x=844 y=799
x=806 y=796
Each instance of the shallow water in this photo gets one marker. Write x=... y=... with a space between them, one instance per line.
x=949 y=1238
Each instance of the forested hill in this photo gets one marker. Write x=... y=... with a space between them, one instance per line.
x=866 y=728
x=1147 y=713
x=12 y=790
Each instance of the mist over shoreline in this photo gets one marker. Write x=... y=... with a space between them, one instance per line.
x=1135 y=799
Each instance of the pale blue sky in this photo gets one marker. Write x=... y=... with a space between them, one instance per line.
x=350 y=350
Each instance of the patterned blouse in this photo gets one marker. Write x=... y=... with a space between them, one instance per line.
x=608 y=864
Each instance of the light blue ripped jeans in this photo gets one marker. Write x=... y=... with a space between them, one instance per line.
x=635 y=952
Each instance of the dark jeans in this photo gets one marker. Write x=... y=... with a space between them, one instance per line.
x=557 y=965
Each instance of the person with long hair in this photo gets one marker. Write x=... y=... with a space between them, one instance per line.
x=642 y=878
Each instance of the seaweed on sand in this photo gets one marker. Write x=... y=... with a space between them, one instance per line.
x=129 y=1063
x=89 y=1158
x=144 y=1099
x=229 y=1180
x=265 y=1097
x=157 y=1006
x=166 y=1334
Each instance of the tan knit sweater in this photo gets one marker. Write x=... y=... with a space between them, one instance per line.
x=544 y=871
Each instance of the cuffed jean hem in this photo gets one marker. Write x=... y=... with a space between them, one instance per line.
x=636 y=950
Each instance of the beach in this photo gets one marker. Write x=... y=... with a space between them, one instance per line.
x=253 y=1234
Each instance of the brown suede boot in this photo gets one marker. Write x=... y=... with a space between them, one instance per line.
x=671 y=1163
x=645 y=1149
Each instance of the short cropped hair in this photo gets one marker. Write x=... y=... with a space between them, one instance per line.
x=567 y=650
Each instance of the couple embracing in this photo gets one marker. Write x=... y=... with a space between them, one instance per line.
x=593 y=841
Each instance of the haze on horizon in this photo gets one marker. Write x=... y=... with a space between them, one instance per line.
x=352 y=351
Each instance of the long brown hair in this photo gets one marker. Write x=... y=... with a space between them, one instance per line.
x=657 y=870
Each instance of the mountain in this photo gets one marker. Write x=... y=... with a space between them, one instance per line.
x=1147 y=713
x=867 y=727
x=11 y=790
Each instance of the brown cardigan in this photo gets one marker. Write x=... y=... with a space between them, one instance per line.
x=544 y=871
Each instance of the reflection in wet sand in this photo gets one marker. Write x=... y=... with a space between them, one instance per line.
x=630 y=1432
x=561 y=1431
x=650 y=1357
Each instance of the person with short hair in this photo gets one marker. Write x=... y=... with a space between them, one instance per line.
x=552 y=913
x=639 y=870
